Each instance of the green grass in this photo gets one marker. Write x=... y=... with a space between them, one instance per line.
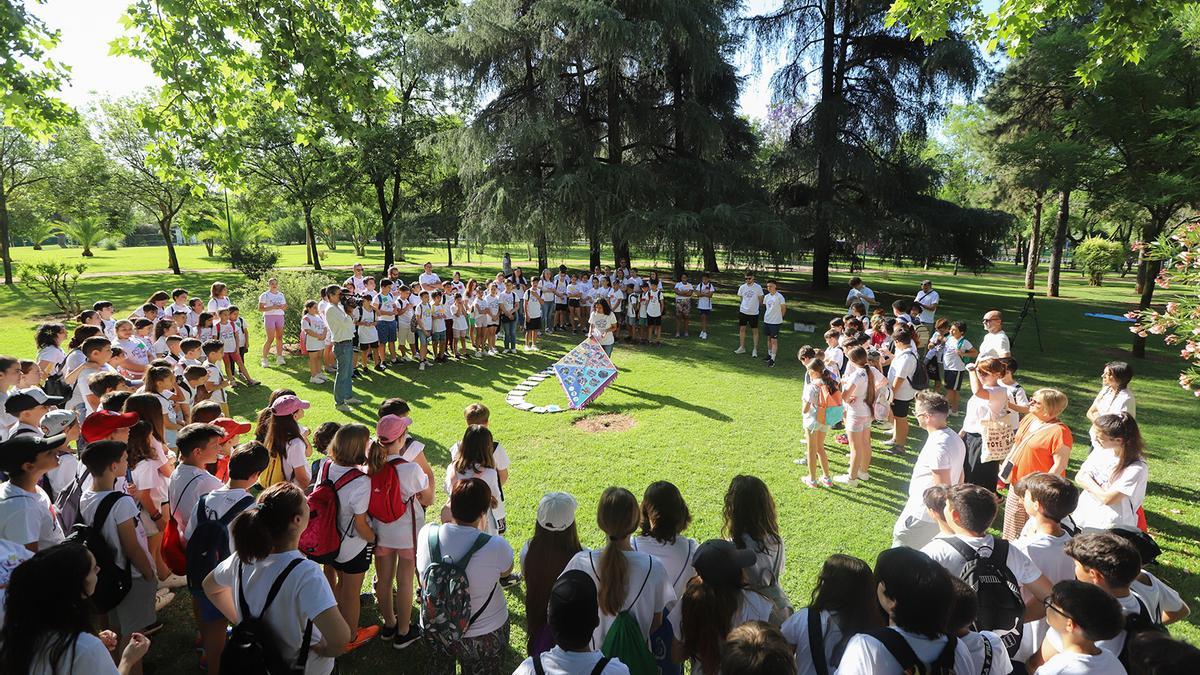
x=703 y=415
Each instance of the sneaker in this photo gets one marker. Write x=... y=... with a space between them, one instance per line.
x=381 y=367
x=800 y=461
x=173 y=581
x=511 y=580
x=754 y=354
x=492 y=352
x=422 y=365
x=740 y=350
x=343 y=408
x=826 y=482
x=154 y=627
x=896 y=450
x=162 y=600
x=770 y=363
x=316 y=380
x=362 y=637
x=864 y=476
x=809 y=482
x=843 y=439
x=703 y=335
x=413 y=635
x=387 y=632
x=888 y=443
x=279 y=361
x=847 y=480
x=264 y=363
x=353 y=401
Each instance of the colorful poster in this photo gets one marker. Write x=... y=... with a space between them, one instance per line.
x=584 y=373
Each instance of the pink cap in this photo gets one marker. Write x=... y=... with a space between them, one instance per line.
x=391 y=427
x=288 y=405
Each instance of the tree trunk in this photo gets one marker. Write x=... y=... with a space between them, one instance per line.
x=385 y=230
x=449 y=252
x=826 y=142
x=5 y=254
x=1060 y=240
x=1151 y=270
x=1033 y=254
x=710 y=256
x=209 y=245
x=164 y=227
x=678 y=259
x=543 y=252
x=593 y=232
x=87 y=252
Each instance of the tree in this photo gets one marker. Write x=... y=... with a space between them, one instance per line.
x=23 y=164
x=1097 y=256
x=29 y=78
x=86 y=231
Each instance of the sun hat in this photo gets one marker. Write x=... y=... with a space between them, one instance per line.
x=288 y=405
x=391 y=427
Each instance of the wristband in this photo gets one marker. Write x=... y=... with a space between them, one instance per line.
x=156 y=517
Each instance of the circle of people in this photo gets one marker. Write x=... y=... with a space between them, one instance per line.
x=119 y=491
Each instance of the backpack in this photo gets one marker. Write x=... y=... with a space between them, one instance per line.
x=209 y=544
x=446 y=598
x=919 y=380
x=1136 y=624
x=274 y=473
x=322 y=538
x=625 y=640
x=112 y=582
x=816 y=644
x=66 y=503
x=252 y=646
x=898 y=647
x=1001 y=609
x=386 y=504
x=54 y=384
x=174 y=552
x=884 y=396
x=829 y=406
x=600 y=665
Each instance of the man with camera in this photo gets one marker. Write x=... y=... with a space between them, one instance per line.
x=341 y=333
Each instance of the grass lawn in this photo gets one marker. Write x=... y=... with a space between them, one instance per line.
x=703 y=415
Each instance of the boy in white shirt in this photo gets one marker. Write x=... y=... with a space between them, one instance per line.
x=704 y=294
x=216 y=385
x=1047 y=500
x=385 y=304
x=773 y=320
x=26 y=514
x=180 y=304
x=1082 y=615
x=652 y=301
x=751 y=295
x=988 y=655
x=632 y=300
x=834 y=356
x=424 y=312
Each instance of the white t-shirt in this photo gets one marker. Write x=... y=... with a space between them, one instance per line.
x=952 y=351
x=795 y=631
x=1062 y=663
x=903 y=366
x=124 y=509
x=533 y=304
x=994 y=344
x=642 y=603
x=137 y=349
x=811 y=400
x=227 y=333
x=483 y=571
x=64 y=474
x=943 y=449
x=146 y=476
x=1047 y=553
x=559 y=662
x=980 y=409
x=218 y=503
x=217 y=304
x=861 y=295
x=1001 y=663
x=683 y=290
x=304 y=595
x=399 y=533
x=429 y=279
x=1130 y=483
x=353 y=499
x=774 y=304
x=865 y=655
x=676 y=559
x=183 y=501
x=215 y=377
x=652 y=302
x=859 y=379
x=601 y=325
x=269 y=298
x=87 y=655
x=316 y=324
x=28 y=517
x=1155 y=595
x=944 y=554
x=752 y=607
x=499 y=455
x=705 y=301
x=489 y=476
x=751 y=297
x=51 y=354
x=930 y=298
x=1109 y=402
x=368 y=334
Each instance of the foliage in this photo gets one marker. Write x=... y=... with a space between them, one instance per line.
x=29 y=78
x=31 y=223
x=254 y=260
x=87 y=232
x=1097 y=256
x=1179 y=320
x=56 y=280
x=24 y=164
x=297 y=288
x=355 y=222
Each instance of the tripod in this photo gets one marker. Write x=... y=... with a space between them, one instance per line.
x=1028 y=308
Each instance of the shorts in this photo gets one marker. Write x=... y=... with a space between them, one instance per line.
x=403 y=553
x=422 y=337
x=136 y=610
x=855 y=423
x=367 y=346
x=230 y=358
x=573 y=302
x=771 y=330
x=816 y=428
x=273 y=322
x=149 y=525
x=641 y=321
x=560 y=307
x=533 y=324
x=460 y=333
x=901 y=408
x=314 y=346
x=404 y=332
x=208 y=611
x=748 y=320
x=386 y=330
x=954 y=378
x=683 y=306
x=654 y=321
x=439 y=336
x=705 y=310
x=356 y=565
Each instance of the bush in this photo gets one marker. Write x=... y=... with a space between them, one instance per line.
x=297 y=288
x=57 y=280
x=253 y=260
x=1097 y=257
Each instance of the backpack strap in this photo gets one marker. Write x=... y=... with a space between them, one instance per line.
x=963 y=548
x=106 y=506
x=649 y=569
x=600 y=665
x=987 y=656
x=233 y=512
x=898 y=647
x=816 y=642
x=685 y=562
x=345 y=479
x=944 y=663
x=182 y=492
x=538 y=668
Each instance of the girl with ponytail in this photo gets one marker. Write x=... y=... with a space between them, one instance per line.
x=820 y=392
x=1113 y=478
x=858 y=392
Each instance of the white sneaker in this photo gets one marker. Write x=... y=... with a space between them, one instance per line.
x=801 y=461
x=353 y=401
x=422 y=365
x=492 y=352
x=754 y=354
x=864 y=476
x=343 y=408
x=264 y=363
x=173 y=581
x=317 y=380
x=846 y=479
x=279 y=360
x=703 y=335
x=740 y=350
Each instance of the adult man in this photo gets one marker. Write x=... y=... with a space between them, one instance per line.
x=394 y=275
x=359 y=281
x=940 y=462
x=995 y=343
x=773 y=320
x=927 y=299
x=751 y=295
x=860 y=294
x=341 y=333
x=429 y=281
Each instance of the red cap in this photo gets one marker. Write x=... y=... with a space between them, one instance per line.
x=232 y=428
x=102 y=423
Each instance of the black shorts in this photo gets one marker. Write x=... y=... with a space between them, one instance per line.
x=901 y=408
x=771 y=330
x=705 y=312
x=534 y=323
x=359 y=564
x=954 y=378
x=654 y=321
x=367 y=346
x=748 y=320
x=573 y=302
x=560 y=307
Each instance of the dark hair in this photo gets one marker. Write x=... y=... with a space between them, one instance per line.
x=393 y=406
x=114 y=401
x=846 y=586
x=664 y=513
x=189 y=344
x=195 y=436
x=1124 y=428
x=100 y=455
x=818 y=367
x=470 y=499
x=854 y=281
x=604 y=306
x=705 y=618
x=546 y=558
x=323 y=436
x=213 y=347
x=178 y=292
x=47 y=335
x=475 y=449
x=82 y=333
x=197 y=373
x=933 y=402
x=206 y=411
x=900 y=305
x=248 y=459
x=281 y=429
x=965 y=607
x=257 y=532
x=103 y=382
x=1155 y=653
x=94 y=344
x=264 y=416
x=1096 y=612
x=1113 y=557
x=101 y=305
x=750 y=512
x=154 y=375
x=1121 y=372
x=1057 y=496
x=976 y=506
x=920 y=587
x=47 y=594
x=934 y=499
x=757 y=648
x=617 y=516
x=1010 y=364
x=150 y=416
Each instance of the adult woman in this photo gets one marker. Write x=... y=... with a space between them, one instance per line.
x=989 y=401
x=547 y=296
x=1113 y=478
x=602 y=325
x=48 y=338
x=265 y=540
x=272 y=304
x=1114 y=396
x=49 y=592
x=1043 y=443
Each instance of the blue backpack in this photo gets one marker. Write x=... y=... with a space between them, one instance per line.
x=209 y=544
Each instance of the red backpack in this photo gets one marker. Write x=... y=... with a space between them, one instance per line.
x=322 y=539
x=386 y=505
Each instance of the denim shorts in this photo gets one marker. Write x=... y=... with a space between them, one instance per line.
x=387 y=331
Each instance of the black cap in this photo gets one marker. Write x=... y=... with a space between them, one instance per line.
x=574 y=609
x=25 y=447
x=720 y=562
x=28 y=399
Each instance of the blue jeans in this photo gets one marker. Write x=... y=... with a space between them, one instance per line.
x=548 y=314
x=510 y=334
x=343 y=353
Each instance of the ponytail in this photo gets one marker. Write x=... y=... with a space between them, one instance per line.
x=858 y=356
x=618 y=517
x=259 y=531
x=377 y=454
x=1124 y=428
x=706 y=616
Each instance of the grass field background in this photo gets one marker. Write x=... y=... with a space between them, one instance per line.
x=702 y=415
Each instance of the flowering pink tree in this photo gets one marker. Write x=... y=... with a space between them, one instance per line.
x=1179 y=320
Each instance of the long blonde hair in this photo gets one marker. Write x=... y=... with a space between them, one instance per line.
x=618 y=516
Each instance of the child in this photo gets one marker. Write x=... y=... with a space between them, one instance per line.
x=834 y=357
x=460 y=326
x=321 y=439
x=122 y=531
x=214 y=351
x=26 y=515
x=543 y=558
x=192 y=354
x=135 y=349
x=821 y=394
x=1018 y=400
x=206 y=328
x=192 y=385
x=233 y=338
x=632 y=312
x=750 y=522
x=757 y=648
x=664 y=518
x=160 y=382
x=405 y=303
x=395 y=551
x=286 y=443
x=385 y=308
x=315 y=334
x=715 y=602
x=97 y=353
x=508 y=317
x=54 y=423
x=955 y=350
x=162 y=330
x=174 y=354
x=424 y=313
x=568 y=618
x=369 y=351
x=150 y=471
x=440 y=313
x=108 y=325
x=860 y=390
x=684 y=291
x=492 y=306
x=533 y=315
x=987 y=652
x=348 y=451
x=652 y=300
x=844 y=604
x=265 y=541
x=476 y=459
x=1113 y=477
x=935 y=507
x=1083 y=615
x=704 y=294
x=196 y=308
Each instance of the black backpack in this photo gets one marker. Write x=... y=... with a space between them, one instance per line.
x=540 y=670
x=898 y=647
x=54 y=384
x=252 y=646
x=112 y=582
x=66 y=503
x=919 y=380
x=1001 y=609
x=816 y=644
x=209 y=544
x=1136 y=624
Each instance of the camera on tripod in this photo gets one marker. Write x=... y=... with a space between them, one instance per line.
x=352 y=301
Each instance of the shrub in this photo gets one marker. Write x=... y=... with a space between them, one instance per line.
x=1097 y=256
x=254 y=260
x=297 y=288
x=57 y=280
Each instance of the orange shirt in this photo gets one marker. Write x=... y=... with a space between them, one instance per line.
x=1036 y=443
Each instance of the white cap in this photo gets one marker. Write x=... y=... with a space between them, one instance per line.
x=556 y=511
